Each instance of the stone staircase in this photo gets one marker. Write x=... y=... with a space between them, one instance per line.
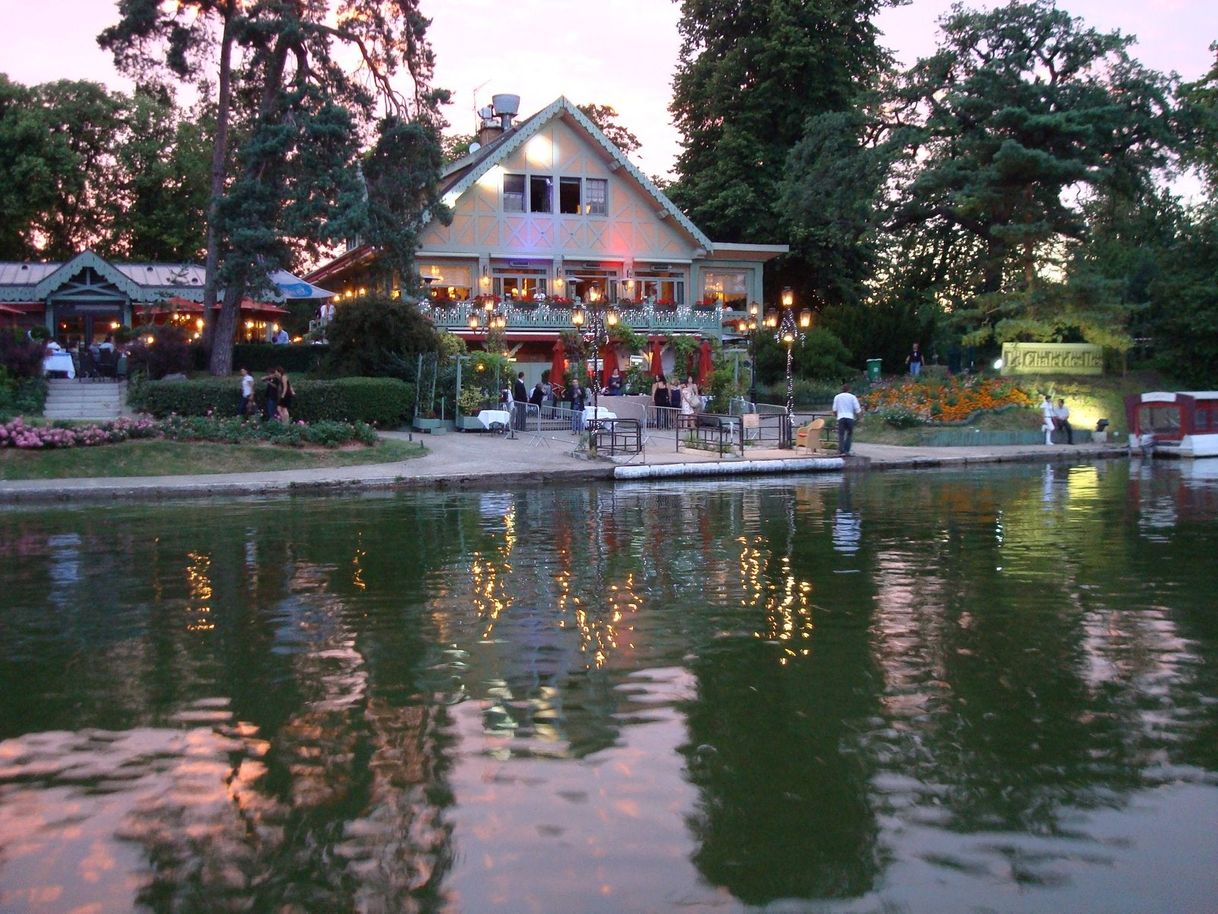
x=102 y=400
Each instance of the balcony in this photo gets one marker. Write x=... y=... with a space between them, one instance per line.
x=532 y=318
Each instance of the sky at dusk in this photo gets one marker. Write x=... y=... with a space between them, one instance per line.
x=615 y=52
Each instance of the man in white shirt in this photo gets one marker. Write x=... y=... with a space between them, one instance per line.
x=847 y=408
x=1049 y=422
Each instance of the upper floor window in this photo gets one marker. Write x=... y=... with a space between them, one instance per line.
x=513 y=193
x=541 y=194
x=569 y=195
x=596 y=196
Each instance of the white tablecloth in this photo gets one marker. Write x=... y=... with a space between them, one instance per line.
x=489 y=417
x=59 y=361
x=597 y=412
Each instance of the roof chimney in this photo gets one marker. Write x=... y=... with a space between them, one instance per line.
x=506 y=107
x=488 y=131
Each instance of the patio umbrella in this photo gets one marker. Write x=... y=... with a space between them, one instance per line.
x=558 y=364
x=609 y=357
x=657 y=355
x=705 y=362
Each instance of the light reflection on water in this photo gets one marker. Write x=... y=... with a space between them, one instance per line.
x=932 y=691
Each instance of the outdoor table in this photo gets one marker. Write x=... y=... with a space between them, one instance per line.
x=58 y=360
x=596 y=413
x=489 y=417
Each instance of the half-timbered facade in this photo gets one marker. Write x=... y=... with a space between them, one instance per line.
x=547 y=213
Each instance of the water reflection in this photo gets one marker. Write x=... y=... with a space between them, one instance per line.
x=999 y=683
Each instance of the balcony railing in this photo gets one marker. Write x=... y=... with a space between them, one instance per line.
x=645 y=318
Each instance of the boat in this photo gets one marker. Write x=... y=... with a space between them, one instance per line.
x=1174 y=423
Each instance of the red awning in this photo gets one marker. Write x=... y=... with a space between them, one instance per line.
x=609 y=357
x=558 y=365
x=706 y=363
x=657 y=355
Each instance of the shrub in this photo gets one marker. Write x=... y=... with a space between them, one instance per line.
x=256 y=357
x=377 y=336
x=377 y=401
x=168 y=353
x=898 y=416
x=20 y=357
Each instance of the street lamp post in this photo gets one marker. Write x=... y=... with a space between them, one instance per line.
x=749 y=326
x=789 y=329
x=593 y=322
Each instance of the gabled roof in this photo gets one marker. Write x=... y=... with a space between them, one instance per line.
x=83 y=261
x=465 y=172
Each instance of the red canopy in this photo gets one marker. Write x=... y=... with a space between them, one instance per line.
x=558 y=364
x=706 y=362
x=657 y=355
x=609 y=354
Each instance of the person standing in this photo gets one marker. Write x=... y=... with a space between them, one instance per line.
x=271 y=391
x=247 y=394
x=1048 y=421
x=914 y=361
x=520 y=396
x=287 y=395
x=576 y=396
x=662 y=400
x=1061 y=419
x=847 y=409
x=614 y=388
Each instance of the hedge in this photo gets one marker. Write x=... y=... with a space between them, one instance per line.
x=263 y=357
x=377 y=401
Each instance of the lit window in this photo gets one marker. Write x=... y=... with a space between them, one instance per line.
x=596 y=193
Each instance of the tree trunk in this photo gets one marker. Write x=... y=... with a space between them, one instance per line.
x=221 y=362
x=219 y=157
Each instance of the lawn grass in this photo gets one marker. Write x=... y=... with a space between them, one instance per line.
x=183 y=458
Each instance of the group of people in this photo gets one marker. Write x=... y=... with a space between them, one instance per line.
x=684 y=397
x=1055 y=418
x=279 y=395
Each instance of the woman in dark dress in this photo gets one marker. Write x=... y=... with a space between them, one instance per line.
x=660 y=396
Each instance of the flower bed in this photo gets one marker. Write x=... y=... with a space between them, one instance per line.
x=17 y=434
x=945 y=402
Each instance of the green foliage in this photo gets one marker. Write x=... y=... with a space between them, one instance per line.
x=324 y=433
x=168 y=353
x=382 y=402
x=22 y=394
x=262 y=357
x=1020 y=104
x=20 y=357
x=1184 y=314
x=626 y=337
x=378 y=336
x=898 y=416
x=821 y=356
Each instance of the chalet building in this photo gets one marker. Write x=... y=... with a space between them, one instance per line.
x=548 y=213
x=85 y=298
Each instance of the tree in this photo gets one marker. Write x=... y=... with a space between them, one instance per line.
x=1021 y=112
x=1199 y=122
x=56 y=160
x=605 y=118
x=293 y=179
x=751 y=72
x=157 y=200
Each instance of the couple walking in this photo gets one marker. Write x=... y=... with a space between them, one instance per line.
x=279 y=394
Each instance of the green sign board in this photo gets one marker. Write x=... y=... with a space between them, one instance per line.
x=1052 y=358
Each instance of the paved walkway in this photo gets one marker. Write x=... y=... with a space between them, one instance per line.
x=469 y=460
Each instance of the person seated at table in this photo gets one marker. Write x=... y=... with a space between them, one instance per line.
x=107 y=345
x=614 y=388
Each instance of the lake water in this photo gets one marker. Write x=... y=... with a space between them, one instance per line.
x=993 y=690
